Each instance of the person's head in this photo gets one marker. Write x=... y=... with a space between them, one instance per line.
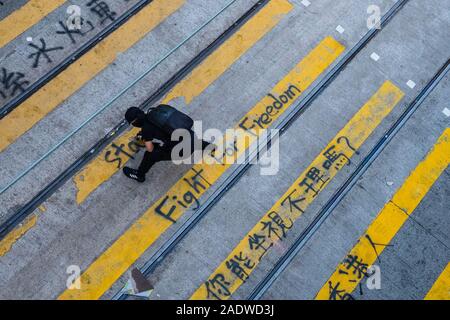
x=135 y=117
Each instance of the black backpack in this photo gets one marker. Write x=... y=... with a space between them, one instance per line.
x=169 y=119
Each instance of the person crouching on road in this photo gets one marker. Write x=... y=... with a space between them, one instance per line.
x=158 y=143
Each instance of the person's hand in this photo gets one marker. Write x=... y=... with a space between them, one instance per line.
x=149 y=146
x=139 y=140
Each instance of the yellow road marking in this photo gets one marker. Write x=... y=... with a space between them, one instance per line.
x=24 y=18
x=441 y=288
x=7 y=242
x=34 y=109
x=230 y=51
x=115 y=157
x=104 y=271
x=388 y=222
x=275 y=224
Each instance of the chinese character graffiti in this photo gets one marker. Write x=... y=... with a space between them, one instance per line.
x=102 y=10
x=42 y=51
x=72 y=33
x=12 y=83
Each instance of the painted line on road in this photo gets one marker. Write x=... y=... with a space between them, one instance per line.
x=354 y=267
x=25 y=17
x=42 y=102
x=121 y=255
x=12 y=237
x=219 y=61
x=276 y=223
x=120 y=151
x=441 y=288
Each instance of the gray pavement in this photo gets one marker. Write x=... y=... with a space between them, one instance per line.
x=52 y=29
x=201 y=252
x=420 y=250
x=111 y=223
x=80 y=106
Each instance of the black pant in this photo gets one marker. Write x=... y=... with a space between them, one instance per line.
x=158 y=154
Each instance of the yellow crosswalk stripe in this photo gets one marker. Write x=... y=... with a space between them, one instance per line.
x=34 y=109
x=11 y=238
x=24 y=18
x=391 y=218
x=110 y=265
x=441 y=288
x=117 y=154
x=276 y=223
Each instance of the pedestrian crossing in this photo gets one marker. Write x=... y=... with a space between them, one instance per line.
x=354 y=268
x=106 y=269
x=48 y=98
x=25 y=17
x=117 y=154
x=277 y=222
x=160 y=217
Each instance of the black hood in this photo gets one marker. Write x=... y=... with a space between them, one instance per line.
x=135 y=116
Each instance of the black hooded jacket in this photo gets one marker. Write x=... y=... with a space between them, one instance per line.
x=149 y=132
